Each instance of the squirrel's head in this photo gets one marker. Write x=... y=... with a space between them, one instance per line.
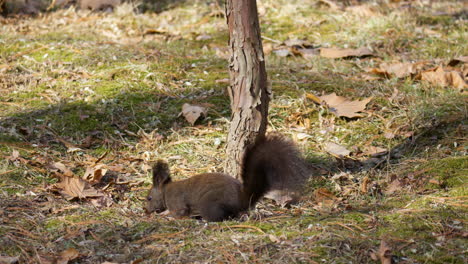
x=155 y=200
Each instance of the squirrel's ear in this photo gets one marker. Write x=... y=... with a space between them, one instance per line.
x=161 y=174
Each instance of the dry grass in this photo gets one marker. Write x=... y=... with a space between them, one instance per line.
x=79 y=88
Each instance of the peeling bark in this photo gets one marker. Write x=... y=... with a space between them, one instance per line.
x=248 y=91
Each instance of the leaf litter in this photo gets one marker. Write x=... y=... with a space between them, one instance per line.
x=341 y=106
x=351 y=196
x=193 y=112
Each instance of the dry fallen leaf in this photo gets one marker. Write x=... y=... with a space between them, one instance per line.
x=67 y=255
x=63 y=169
x=439 y=76
x=193 y=112
x=394 y=186
x=336 y=53
x=324 y=197
x=76 y=188
x=95 y=173
x=341 y=106
x=364 y=184
x=374 y=151
x=399 y=70
x=336 y=150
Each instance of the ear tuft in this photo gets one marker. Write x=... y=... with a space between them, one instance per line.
x=161 y=174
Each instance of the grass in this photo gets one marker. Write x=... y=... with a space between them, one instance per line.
x=79 y=87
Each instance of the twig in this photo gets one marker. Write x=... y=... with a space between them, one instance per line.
x=243 y=226
x=6 y=172
x=342 y=225
x=26 y=52
x=272 y=40
x=102 y=157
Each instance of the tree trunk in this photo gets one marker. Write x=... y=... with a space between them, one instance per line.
x=248 y=91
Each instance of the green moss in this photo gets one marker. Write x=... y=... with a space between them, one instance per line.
x=54 y=224
x=450 y=172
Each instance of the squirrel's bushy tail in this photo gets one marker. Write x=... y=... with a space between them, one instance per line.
x=273 y=162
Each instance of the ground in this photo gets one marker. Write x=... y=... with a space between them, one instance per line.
x=98 y=95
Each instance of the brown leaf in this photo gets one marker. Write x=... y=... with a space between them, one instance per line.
x=335 y=53
x=67 y=255
x=439 y=76
x=341 y=106
x=192 y=112
x=336 y=150
x=63 y=169
x=394 y=186
x=76 y=188
x=324 y=196
x=95 y=173
x=365 y=184
x=374 y=151
x=399 y=70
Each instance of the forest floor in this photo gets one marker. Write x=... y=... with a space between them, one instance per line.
x=88 y=100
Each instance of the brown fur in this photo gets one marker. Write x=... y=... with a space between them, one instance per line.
x=272 y=163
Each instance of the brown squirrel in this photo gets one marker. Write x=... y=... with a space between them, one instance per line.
x=272 y=162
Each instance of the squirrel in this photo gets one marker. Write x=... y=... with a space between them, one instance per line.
x=271 y=163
